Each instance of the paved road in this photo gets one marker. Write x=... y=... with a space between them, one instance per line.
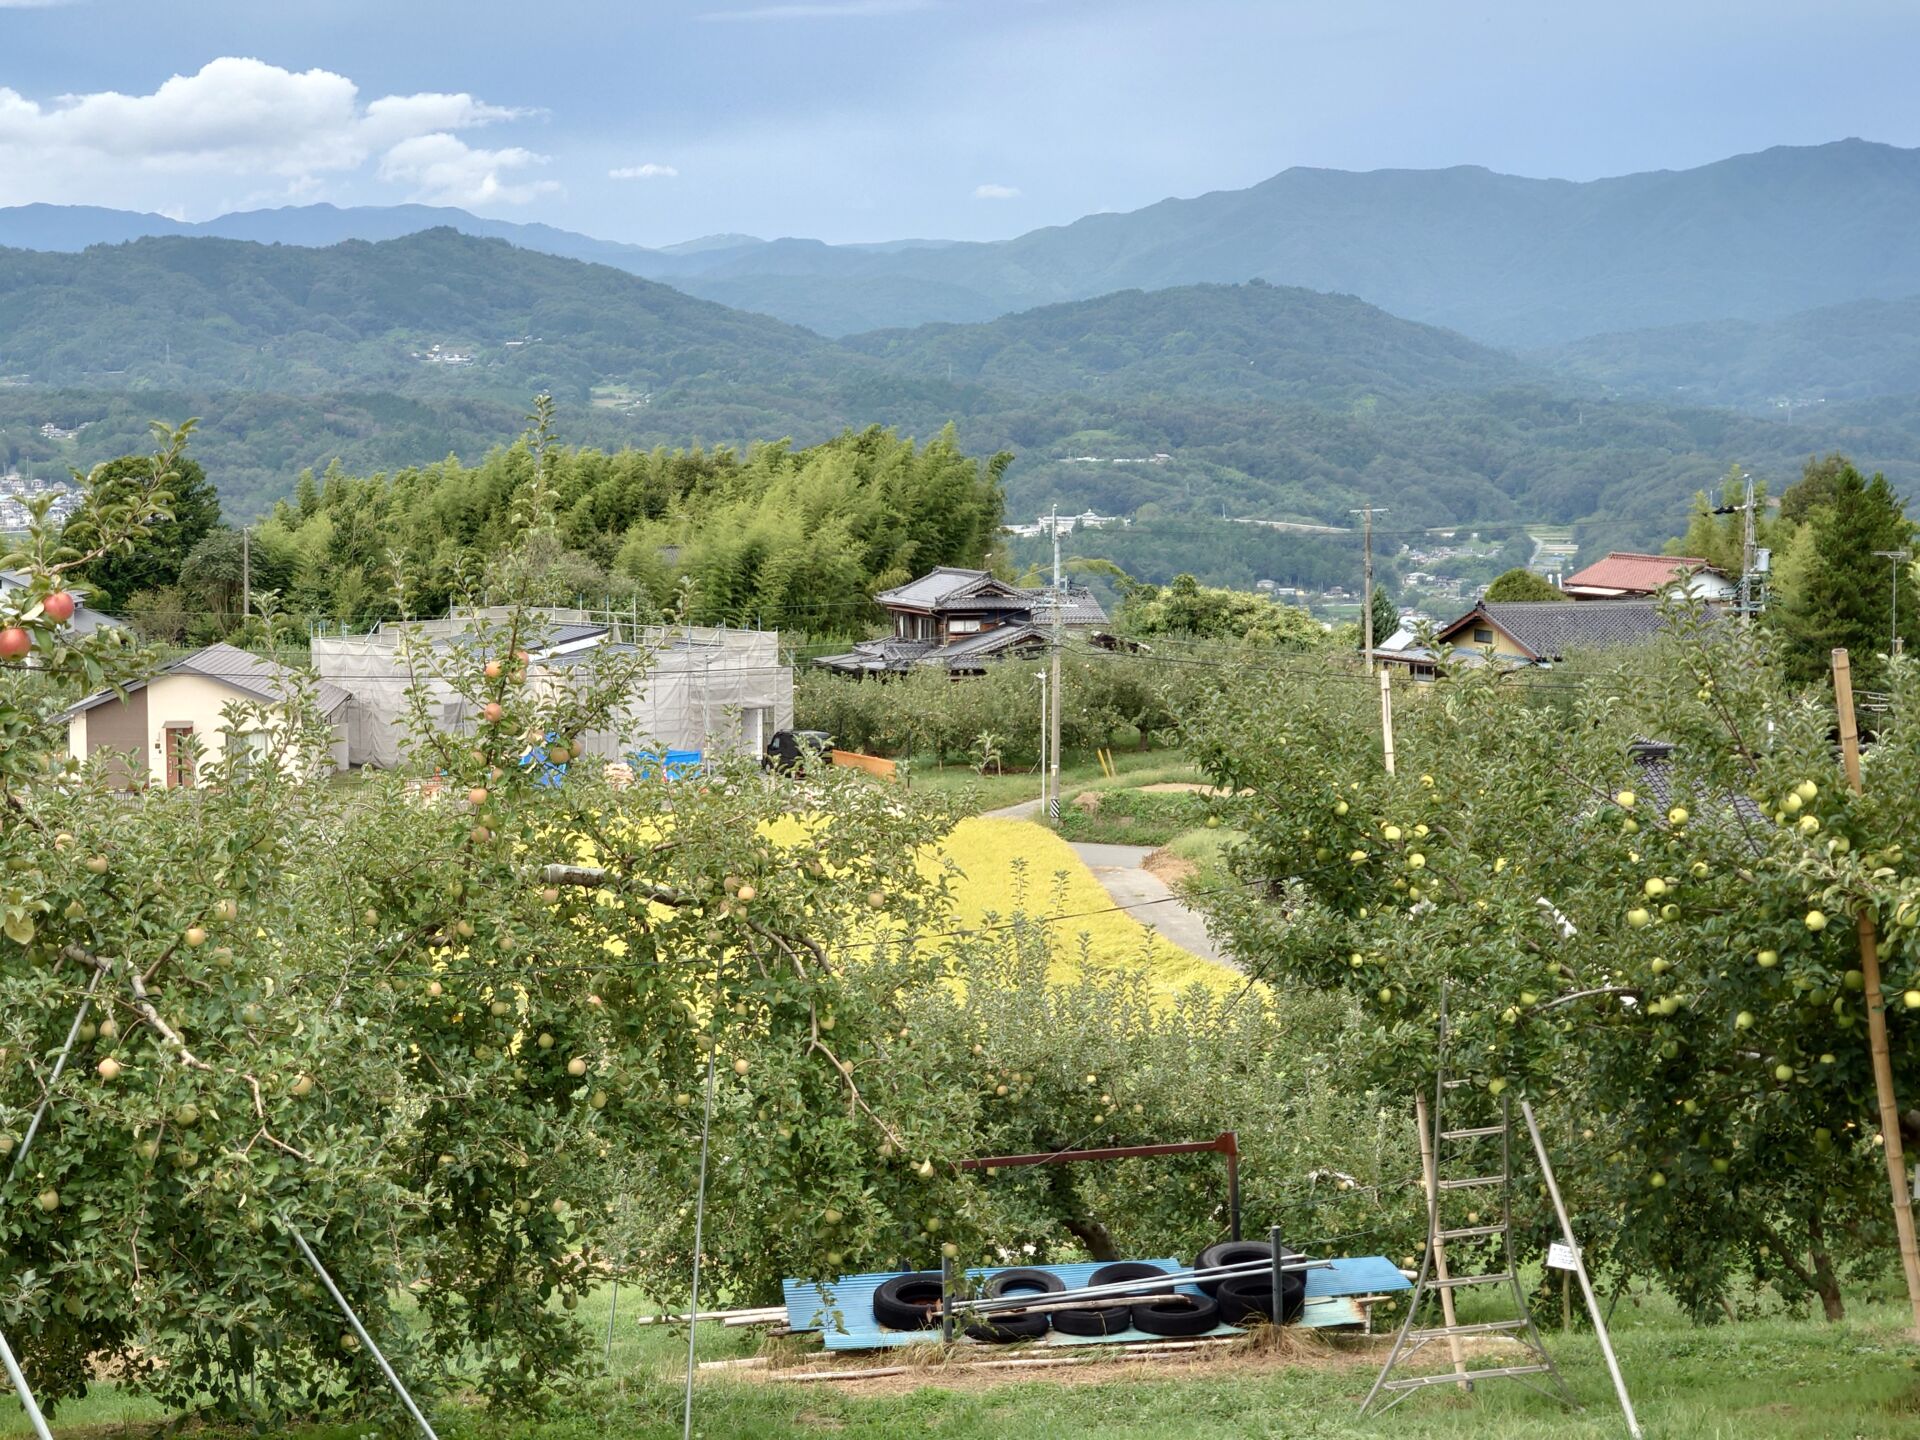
x=1117 y=867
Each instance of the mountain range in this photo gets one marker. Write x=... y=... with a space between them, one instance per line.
x=1253 y=400
x=1511 y=261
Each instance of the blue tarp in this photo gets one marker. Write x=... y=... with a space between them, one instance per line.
x=844 y=1310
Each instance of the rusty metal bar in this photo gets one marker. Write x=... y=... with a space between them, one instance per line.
x=1226 y=1143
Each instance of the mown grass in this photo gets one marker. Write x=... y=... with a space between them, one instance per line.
x=1777 y=1378
x=977 y=793
x=1131 y=816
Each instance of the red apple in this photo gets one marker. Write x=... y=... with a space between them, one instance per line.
x=58 y=607
x=14 y=643
x=492 y=711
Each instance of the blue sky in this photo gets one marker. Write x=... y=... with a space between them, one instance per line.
x=660 y=120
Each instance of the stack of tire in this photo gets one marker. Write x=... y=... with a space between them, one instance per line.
x=909 y=1302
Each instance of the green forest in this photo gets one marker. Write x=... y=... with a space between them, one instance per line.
x=1265 y=401
x=775 y=536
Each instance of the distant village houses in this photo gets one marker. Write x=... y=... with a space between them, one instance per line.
x=962 y=621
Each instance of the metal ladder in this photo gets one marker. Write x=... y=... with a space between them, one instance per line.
x=1462 y=1150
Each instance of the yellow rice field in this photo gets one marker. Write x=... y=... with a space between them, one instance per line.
x=1015 y=865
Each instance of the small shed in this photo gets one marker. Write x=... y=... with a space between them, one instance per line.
x=154 y=720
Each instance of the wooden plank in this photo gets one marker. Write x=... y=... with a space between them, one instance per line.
x=872 y=764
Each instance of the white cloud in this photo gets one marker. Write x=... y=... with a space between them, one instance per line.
x=648 y=171
x=821 y=10
x=444 y=169
x=996 y=192
x=239 y=119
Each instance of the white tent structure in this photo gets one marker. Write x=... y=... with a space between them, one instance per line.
x=713 y=690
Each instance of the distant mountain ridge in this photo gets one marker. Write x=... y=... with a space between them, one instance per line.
x=1252 y=399
x=1509 y=261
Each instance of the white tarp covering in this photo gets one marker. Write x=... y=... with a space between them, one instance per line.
x=708 y=689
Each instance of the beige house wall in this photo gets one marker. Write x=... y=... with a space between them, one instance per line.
x=172 y=700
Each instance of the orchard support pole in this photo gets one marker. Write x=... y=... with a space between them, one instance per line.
x=14 y=1373
x=20 y=1388
x=1386 y=718
x=1580 y=1271
x=313 y=1260
x=59 y=1068
x=1877 y=1014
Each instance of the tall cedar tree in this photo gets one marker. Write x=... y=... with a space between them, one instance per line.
x=155 y=559
x=1846 y=594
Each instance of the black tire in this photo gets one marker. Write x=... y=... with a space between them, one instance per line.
x=1188 y=1315
x=1006 y=1331
x=1110 y=1321
x=907 y=1302
x=1248 y=1299
x=1229 y=1252
x=1020 y=1281
x=1126 y=1270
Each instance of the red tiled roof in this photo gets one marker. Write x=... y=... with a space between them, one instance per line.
x=1631 y=571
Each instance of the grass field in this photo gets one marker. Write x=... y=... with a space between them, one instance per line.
x=1768 y=1379
x=992 y=792
x=1016 y=864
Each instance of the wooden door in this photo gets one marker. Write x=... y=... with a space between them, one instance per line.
x=179 y=757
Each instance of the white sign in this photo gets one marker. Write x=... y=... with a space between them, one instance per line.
x=1561 y=1257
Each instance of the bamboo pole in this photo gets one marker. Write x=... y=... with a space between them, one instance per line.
x=1429 y=1172
x=1386 y=717
x=1877 y=1014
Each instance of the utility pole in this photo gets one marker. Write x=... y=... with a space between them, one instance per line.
x=1041 y=676
x=1366 y=606
x=1897 y=558
x=1752 y=586
x=1053 y=689
x=246 y=572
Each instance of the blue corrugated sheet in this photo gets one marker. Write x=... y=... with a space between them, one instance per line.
x=846 y=1316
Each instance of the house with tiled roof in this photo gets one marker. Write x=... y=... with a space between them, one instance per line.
x=1518 y=633
x=962 y=620
x=169 y=727
x=1630 y=575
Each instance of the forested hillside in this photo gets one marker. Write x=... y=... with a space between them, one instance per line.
x=1841 y=352
x=1227 y=342
x=1249 y=400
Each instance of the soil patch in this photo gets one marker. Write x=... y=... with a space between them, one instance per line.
x=1168 y=868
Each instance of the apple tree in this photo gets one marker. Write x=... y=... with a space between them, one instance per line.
x=1653 y=941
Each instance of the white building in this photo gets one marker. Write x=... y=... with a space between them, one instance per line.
x=708 y=689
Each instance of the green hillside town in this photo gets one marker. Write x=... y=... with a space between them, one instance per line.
x=754 y=718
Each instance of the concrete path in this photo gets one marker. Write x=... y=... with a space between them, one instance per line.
x=1117 y=867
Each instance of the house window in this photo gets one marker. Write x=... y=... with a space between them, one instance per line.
x=963 y=627
x=1482 y=635
x=179 y=756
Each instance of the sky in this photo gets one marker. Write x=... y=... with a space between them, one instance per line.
x=656 y=121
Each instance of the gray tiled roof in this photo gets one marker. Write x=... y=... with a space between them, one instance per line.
x=1552 y=628
x=250 y=674
x=931 y=588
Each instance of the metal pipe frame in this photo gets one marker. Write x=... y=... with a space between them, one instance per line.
x=1226 y=1143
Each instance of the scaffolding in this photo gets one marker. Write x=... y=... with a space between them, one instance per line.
x=712 y=689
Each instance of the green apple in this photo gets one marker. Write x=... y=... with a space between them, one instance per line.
x=1743 y=1021
x=1656 y=1180
x=1638 y=918
x=1655 y=887
x=1624 y=799
x=1767 y=959
x=1783 y=1072
x=1816 y=921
